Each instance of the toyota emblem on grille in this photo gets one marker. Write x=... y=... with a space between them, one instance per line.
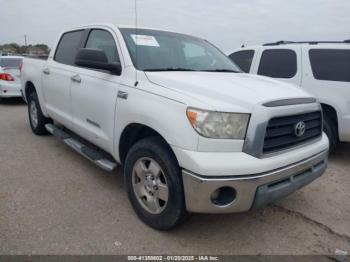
x=299 y=129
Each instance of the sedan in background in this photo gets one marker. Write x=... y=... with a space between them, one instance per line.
x=10 y=76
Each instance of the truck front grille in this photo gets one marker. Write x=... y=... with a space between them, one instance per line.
x=289 y=131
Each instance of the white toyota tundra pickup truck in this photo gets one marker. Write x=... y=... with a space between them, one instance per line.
x=192 y=132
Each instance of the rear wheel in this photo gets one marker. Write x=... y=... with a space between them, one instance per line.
x=331 y=131
x=154 y=184
x=36 y=118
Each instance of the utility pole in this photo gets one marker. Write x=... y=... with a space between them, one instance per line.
x=25 y=40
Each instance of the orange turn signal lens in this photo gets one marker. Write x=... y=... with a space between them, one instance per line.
x=192 y=116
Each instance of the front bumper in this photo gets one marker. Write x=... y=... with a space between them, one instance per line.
x=251 y=191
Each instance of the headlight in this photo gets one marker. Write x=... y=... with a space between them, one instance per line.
x=219 y=125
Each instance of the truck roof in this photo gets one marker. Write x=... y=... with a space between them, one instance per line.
x=306 y=42
x=119 y=26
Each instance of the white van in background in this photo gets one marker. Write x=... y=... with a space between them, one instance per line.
x=321 y=68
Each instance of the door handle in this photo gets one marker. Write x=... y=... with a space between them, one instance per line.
x=76 y=78
x=46 y=71
x=123 y=95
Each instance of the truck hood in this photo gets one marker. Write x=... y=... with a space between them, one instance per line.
x=227 y=91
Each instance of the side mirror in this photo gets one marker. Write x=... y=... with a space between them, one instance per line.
x=96 y=59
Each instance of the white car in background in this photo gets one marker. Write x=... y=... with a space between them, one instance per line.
x=321 y=68
x=10 y=76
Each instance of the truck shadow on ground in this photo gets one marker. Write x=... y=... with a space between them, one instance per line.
x=342 y=151
x=18 y=101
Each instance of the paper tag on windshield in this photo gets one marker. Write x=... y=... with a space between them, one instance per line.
x=145 y=40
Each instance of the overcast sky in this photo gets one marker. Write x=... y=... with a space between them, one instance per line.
x=226 y=23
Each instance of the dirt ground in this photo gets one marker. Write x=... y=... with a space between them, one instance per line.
x=53 y=201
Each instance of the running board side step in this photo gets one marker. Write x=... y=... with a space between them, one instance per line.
x=88 y=152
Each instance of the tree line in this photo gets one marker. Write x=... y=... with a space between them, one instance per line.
x=22 y=49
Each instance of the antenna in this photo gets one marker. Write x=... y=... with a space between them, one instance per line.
x=136 y=38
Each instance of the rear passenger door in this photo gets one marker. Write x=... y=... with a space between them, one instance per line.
x=94 y=95
x=56 y=77
x=283 y=63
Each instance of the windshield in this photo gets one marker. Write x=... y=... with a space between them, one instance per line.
x=153 y=50
x=10 y=62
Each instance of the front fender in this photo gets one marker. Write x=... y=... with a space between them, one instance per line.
x=165 y=116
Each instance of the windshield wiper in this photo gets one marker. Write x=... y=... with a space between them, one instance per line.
x=169 y=69
x=191 y=70
x=222 y=71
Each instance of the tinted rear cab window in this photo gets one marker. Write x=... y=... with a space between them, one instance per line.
x=68 y=47
x=330 y=64
x=278 y=63
x=243 y=59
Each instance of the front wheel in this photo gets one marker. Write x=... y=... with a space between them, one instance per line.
x=154 y=184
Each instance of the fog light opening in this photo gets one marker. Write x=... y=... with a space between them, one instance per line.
x=223 y=196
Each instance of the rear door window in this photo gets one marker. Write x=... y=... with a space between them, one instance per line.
x=278 y=63
x=243 y=59
x=68 y=47
x=330 y=64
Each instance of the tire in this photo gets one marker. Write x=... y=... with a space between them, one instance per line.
x=36 y=118
x=147 y=158
x=331 y=131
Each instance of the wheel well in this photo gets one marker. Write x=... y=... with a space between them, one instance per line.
x=131 y=135
x=29 y=88
x=331 y=113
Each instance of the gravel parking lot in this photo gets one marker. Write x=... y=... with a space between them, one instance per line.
x=53 y=201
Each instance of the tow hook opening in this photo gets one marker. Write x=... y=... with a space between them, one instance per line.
x=223 y=196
